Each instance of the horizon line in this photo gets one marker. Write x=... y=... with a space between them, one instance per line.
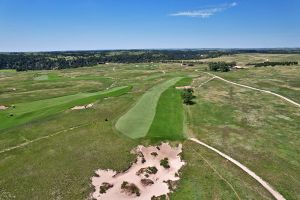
x=139 y=49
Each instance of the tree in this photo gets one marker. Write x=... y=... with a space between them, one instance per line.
x=187 y=96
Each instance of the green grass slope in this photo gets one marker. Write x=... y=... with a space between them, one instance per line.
x=137 y=121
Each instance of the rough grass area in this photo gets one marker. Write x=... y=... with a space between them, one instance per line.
x=25 y=112
x=207 y=176
x=282 y=80
x=169 y=117
x=137 y=121
x=259 y=130
x=60 y=167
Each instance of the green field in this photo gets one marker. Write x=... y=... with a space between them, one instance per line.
x=48 y=151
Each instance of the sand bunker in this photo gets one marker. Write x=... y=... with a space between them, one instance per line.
x=3 y=107
x=184 y=87
x=82 y=107
x=153 y=175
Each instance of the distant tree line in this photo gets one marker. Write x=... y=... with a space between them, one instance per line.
x=265 y=64
x=221 y=66
x=74 y=59
x=62 y=60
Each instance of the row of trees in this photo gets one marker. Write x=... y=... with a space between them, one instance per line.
x=265 y=64
x=61 y=60
x=221 y=66
x=73 y=59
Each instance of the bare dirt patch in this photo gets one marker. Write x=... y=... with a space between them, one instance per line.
x=145 y=179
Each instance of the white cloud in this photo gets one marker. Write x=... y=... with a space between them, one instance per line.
x=206 y=12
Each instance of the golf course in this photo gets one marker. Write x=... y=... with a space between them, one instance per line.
x=239 y=130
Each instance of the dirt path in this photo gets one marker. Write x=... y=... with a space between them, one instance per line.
x=260 y=90
x=275 y=194
x=205 y=82
x=41 y=138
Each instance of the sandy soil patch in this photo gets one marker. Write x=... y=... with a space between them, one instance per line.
x=154 y=174
x=2 y=107
x=82 y=107
x=184 y=87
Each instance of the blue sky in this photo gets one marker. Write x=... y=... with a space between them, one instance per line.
x=47 y=25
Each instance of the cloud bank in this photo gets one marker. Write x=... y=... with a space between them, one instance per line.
x=206 y=12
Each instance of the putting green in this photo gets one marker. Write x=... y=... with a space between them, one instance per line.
x=137 y=121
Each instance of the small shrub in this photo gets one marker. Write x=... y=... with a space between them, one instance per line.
x=152 y=170
x=130 y=188
x=147 y=182
x=104 y=187
x=154 y=154
x=165 y=163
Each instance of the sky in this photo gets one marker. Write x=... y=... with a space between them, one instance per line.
x=53 y=25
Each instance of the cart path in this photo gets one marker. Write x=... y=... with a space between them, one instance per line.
x=275 y=194
x=260 y=90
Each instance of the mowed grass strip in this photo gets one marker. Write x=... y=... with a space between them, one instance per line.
x=169 y=117
x=137 y=121
x=25 y=112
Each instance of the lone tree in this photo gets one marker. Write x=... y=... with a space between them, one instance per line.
x=187 y=96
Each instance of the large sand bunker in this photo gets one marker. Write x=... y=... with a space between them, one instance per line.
x=154 y=174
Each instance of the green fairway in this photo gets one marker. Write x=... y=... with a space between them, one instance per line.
x=137 y=121
x=169 y=117
x=24 y=112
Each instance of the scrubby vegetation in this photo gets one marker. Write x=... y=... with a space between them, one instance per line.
x=147 y=182
x=152 y=170
x=104 y=187
x=154 y=154
x=130 y=188
x=265 y=64
x=165 y=163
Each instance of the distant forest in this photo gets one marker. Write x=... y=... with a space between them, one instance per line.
x=74 y=59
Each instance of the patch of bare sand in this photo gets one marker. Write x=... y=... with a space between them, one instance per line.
x=2 y=107
x=146 y=178
x=82 y=107
x=184 y=87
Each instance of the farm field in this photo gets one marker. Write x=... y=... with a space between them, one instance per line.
x=49 y=151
